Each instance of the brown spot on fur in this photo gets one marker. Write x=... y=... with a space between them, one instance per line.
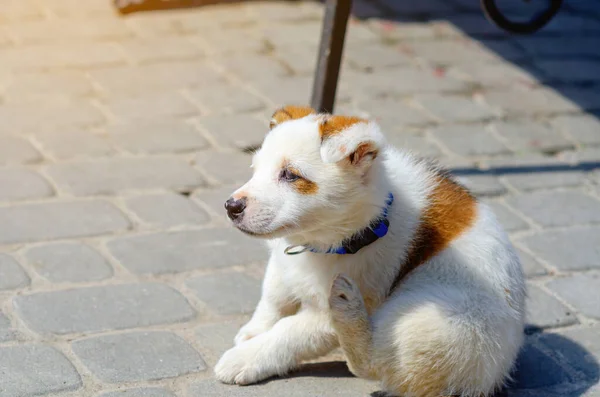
x=290 y=112
x=451 y=211
x=335 y=124
x=303 y=185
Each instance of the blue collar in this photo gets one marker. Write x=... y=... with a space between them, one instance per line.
x=376 y=230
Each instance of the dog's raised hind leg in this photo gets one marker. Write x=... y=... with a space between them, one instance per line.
x=351 y=322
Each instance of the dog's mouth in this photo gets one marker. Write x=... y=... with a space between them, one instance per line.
x=268 y=234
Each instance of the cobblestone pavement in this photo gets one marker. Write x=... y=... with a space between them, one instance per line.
x=121 y=137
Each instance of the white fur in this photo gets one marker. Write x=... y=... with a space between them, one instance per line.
x=466 y=304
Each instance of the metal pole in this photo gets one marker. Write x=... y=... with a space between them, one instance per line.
x=329 y=59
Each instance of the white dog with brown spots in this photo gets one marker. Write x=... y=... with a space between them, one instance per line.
x=377 y=252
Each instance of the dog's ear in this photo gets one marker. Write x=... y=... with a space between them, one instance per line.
x=350 y=138
x=290 y=112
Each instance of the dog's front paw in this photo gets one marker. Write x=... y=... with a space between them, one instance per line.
x=241 y=365
x=345 y=298
x=249 y=331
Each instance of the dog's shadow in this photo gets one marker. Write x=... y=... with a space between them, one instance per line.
x=548 y=364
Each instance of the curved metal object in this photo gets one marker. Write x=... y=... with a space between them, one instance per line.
x=536 y=23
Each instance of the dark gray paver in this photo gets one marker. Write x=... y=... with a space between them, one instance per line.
x=544 y=310
x=32 y=370
x=68 y=262
x=102 y=308
x=138 y=356
x=142 y=392
x=227 y=293
x=226 y=167
x=511 y=221
x=216 y=339
x=166 y=210
x=470 y=140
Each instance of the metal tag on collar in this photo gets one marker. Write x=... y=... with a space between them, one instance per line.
x=295 y=249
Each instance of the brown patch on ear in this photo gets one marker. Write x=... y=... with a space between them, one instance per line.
x=290 y=112
x=363 y=150
x=302 y=185
x=335 y=124
x=451 y=211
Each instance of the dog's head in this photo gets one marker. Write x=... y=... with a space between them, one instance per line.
x=313 y=175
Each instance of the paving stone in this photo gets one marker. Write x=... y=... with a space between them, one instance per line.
x=579 y=347
x=149 y=106
x=226 y=167
x=511 y=221
x=392 y=115
x=557 y=208
x=155 y=77
x=138 y=356
x=469 y=140
x=565 y=23
x=570 y=70
x=310 y=380
x=454 y=108
x=534 y=370
x=215 y=199
x=226 y=99
x=187 y=250
x=367 y=56
x=558 y=46
x=59 y=56
x=284 y=35
x=144 y=50
x=238 y=131
x=6 y=333
x=585 y=129
x=103 y=308
x=448 y=52
x=544 y=311
x=418 y=143
x=227 y=293
x=234 y=41
x=68 y=262
x=248 y=67
x=577 y=249
x=19 y=117
x=116 y=175
x=32 y=370
x=299 y=60
x=582 y=291
x=84 y=30
x=17 y=10
x=528 y=136
x=531 y=266
x=483 y=185
x=545 y=180
x=160 y=136
x=21 y=184
x=216 y=339
x=75 y=144
x=13 y=276
x=14 y=150
x=584 y=98
x=299 y=12
x=143 y=392
x=494 y=75
x=167 y=210
x=30 y=87
x=421 y=7
x=520 y=101
x=54 y=220
x=287 y=90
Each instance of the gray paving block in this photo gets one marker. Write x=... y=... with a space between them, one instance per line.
x=187 y=250
x=419 y=144
x=226 y=98
x=68 y=262
x=6 y=332
x=545 y=180
x=369 y=56
x=75 y=144
x=499 y=75
x=215 y=199
x=531 y=266
x=161 y=136
x=584 y=128
x=227 y=293
x=226 y=167
x=30 y=87
x=103 y=308
x=454 y=109
x=138 y=356
x=469 y=140
x=393 y=115
x=216 y=339
x=153 y=49
x=520 y=102
x=530 y=136
x=511 y=221
x=311 y=380
x=167 y=210
x=15 y=150
x=142 y=392
x=238 y=131
x=570 y=70
x=483 y=185
x=150 y=106
x=116 y=175
x=534 y=369
x=456 y=52
x=545 y=311
x=294 y=90
x=250 y=66
x=13 y=276
x=579 y=347
x=21 y=184
x=32 y=370
x=582 y=291
x=577 y=249
x=53 y=220
x=565 y=208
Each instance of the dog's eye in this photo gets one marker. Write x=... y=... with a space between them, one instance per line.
x=288 y=175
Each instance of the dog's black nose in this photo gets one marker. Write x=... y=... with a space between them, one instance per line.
x=235 y=208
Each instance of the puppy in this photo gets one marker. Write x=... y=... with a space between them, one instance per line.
x=377 y=252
